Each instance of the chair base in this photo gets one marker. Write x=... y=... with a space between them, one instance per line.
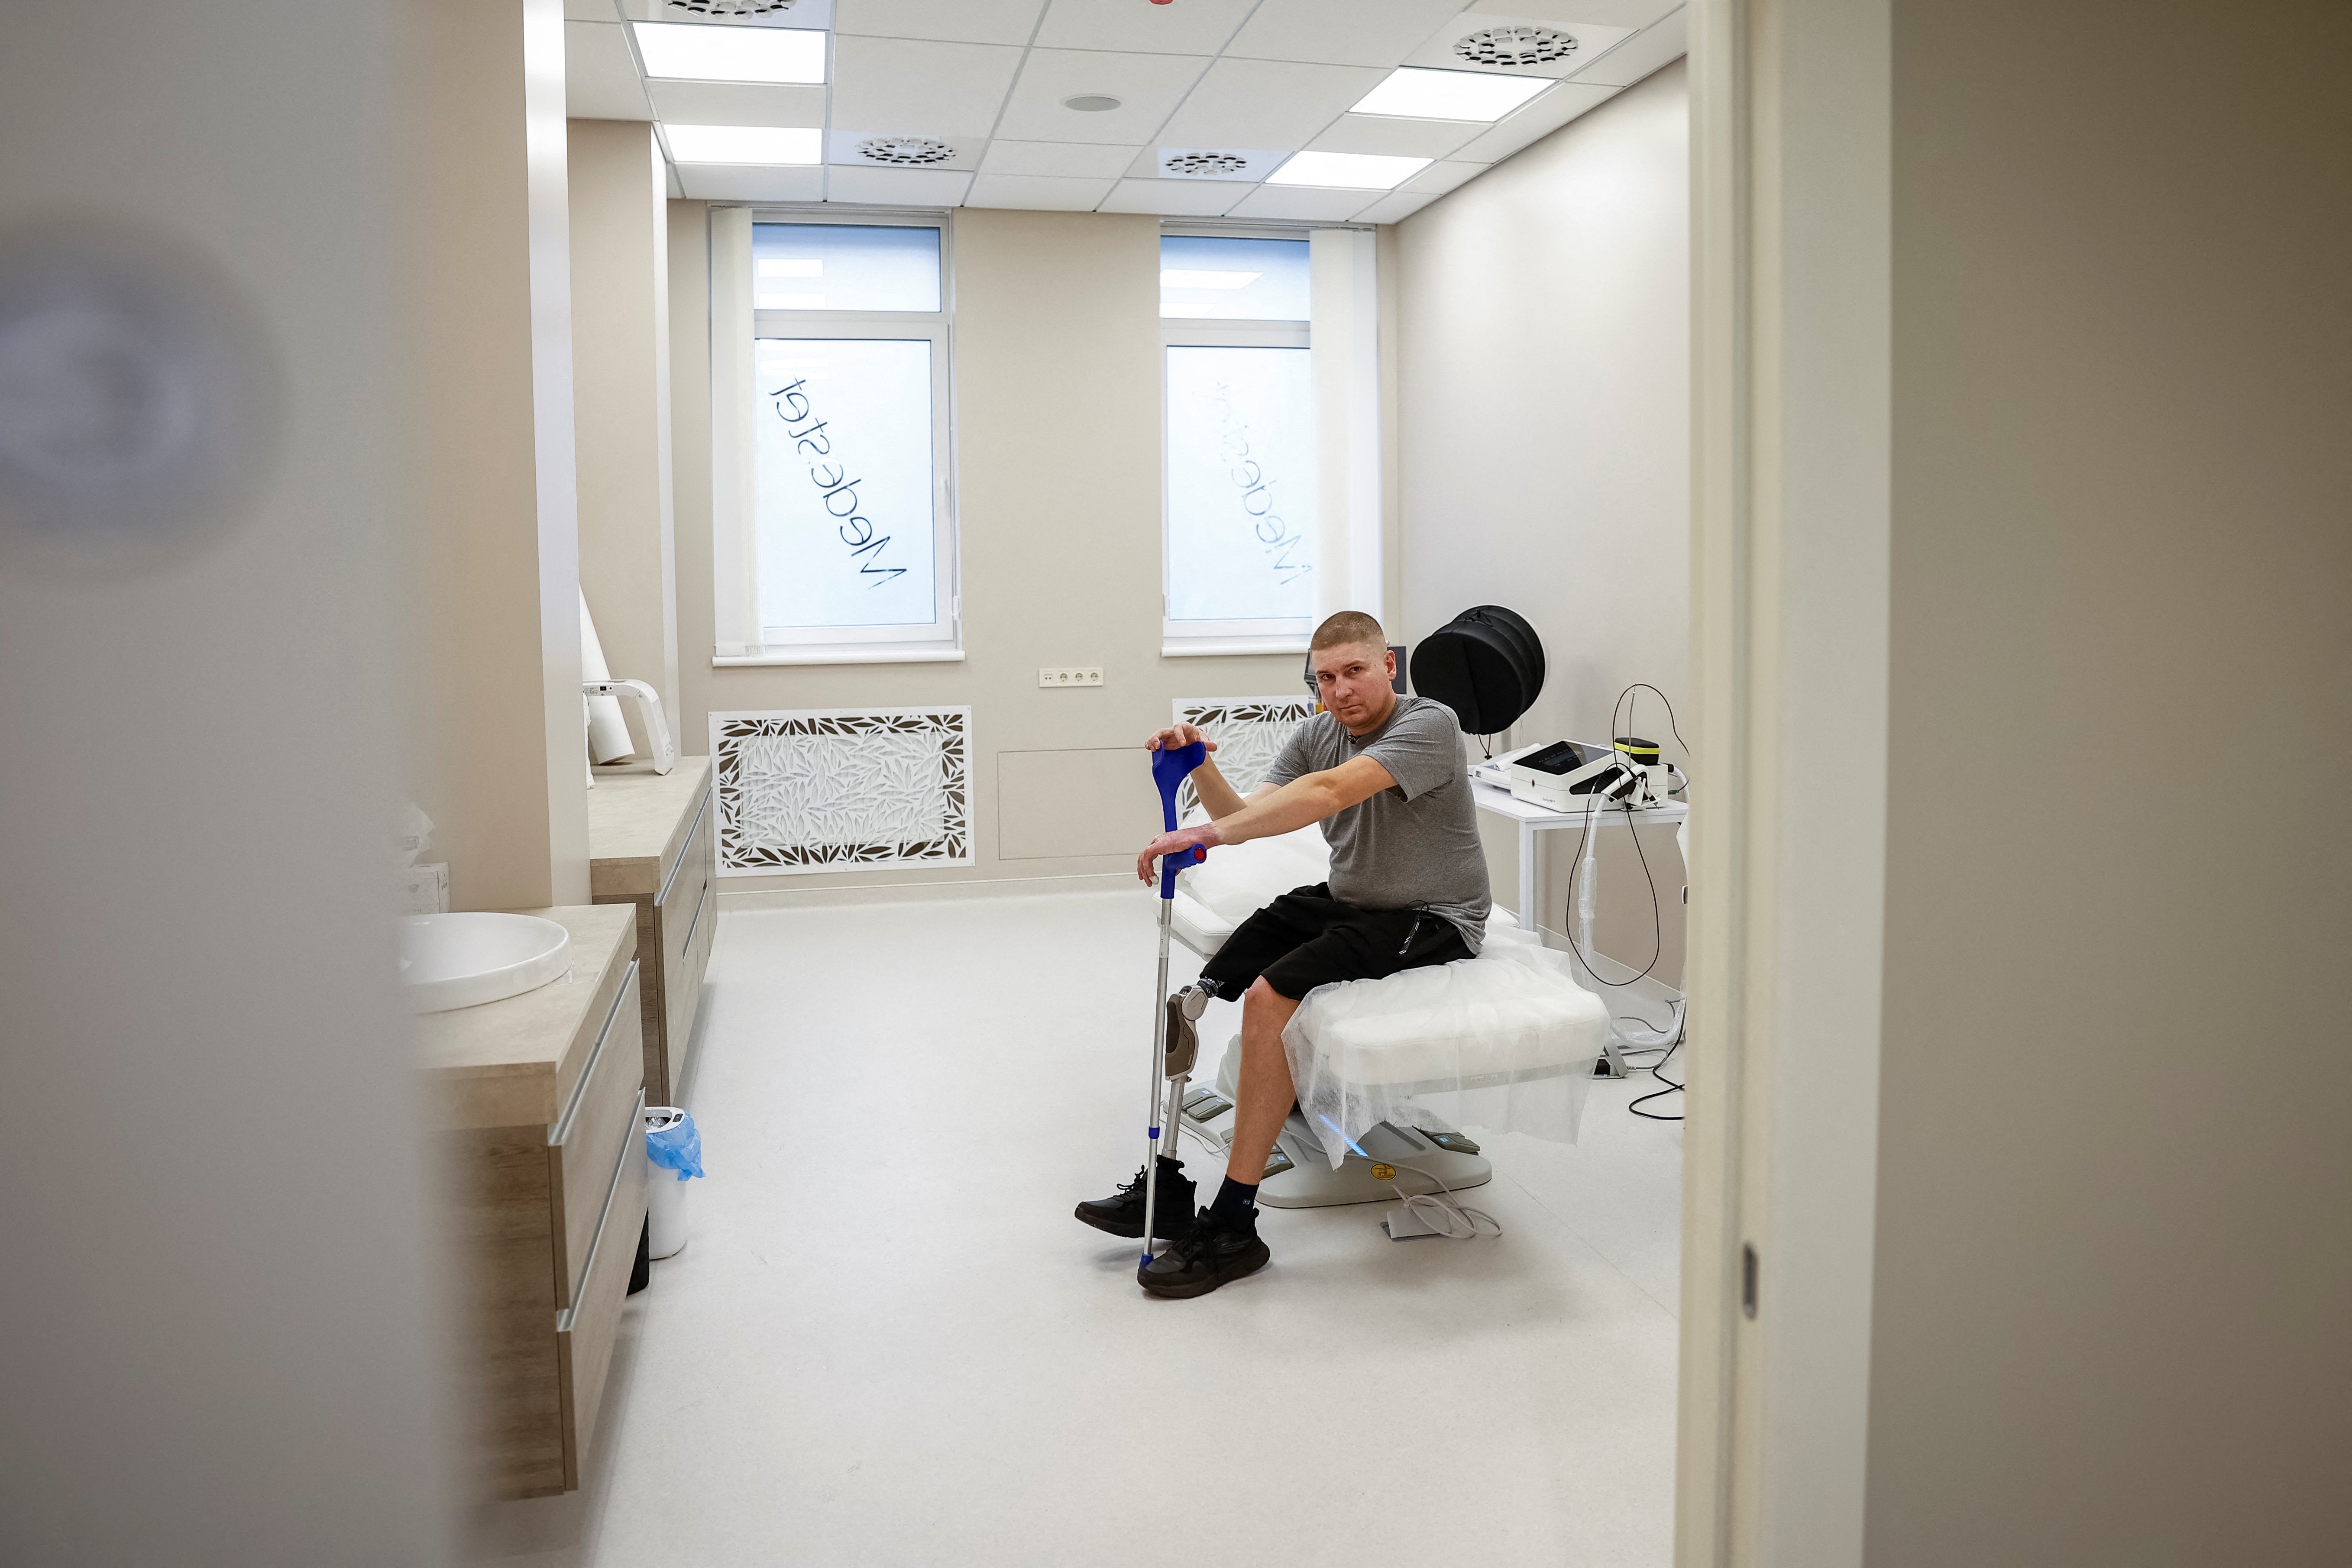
x=1299 y=1176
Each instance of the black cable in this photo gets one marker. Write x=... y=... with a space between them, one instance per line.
x=1627 y=692
x=1671 y=1087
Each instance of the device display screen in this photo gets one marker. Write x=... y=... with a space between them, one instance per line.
x=1559 y=757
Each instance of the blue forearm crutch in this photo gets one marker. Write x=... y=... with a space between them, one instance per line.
x=1170 y=766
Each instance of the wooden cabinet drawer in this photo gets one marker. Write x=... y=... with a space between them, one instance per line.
x=597 y=1126
x=585 y=1331
x=683 y=998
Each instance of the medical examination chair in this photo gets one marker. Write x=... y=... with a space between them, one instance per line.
x=1386 y=1068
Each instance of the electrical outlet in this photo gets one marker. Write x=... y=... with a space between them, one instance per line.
x=1071 y=674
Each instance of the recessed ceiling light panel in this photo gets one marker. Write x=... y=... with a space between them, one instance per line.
x=745 y=143
x=686 y=51
x=1347 y=171
x=1413 y=94
x=732 y=7
x=1515 y=46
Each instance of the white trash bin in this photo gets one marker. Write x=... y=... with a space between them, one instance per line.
x=665 y=1191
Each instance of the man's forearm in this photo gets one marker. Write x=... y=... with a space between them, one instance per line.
x=1294 y=806
x=1217 y=796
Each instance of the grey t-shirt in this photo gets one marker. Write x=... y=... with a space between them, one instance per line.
x=1414 y=847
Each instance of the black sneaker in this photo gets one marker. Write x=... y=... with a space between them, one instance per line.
x=1209 y=1253
x=1121 y=1213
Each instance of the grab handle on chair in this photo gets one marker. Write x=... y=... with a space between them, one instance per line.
x=1170 y=766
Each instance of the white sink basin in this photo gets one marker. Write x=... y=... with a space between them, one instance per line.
x=465 y=960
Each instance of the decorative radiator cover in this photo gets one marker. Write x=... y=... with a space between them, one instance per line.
x=824 y=789
x=1249 y=732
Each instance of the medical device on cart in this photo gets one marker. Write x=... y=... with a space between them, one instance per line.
x=1567 y=775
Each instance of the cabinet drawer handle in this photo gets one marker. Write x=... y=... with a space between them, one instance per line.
x=580 y=1090
x=680 y=865
x=696 y=922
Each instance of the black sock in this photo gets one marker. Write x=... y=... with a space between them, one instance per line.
x=1237 y=1205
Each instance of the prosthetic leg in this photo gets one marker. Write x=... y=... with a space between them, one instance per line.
x=1169 y=768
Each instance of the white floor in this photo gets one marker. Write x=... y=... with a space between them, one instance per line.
x=890 y=1343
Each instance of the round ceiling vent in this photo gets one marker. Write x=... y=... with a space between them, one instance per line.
x=1090 y=103
x=732 y=7
x=1206 y=163
x=1515 y=46
x=905 y=150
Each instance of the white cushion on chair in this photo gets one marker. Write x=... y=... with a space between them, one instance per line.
x=1506 y=1041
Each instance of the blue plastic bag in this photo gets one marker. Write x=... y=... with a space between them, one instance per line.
x=677 y=1147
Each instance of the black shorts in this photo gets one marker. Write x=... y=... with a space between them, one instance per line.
x=1306 y=938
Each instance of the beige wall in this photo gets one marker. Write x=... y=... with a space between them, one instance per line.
x=1542 y=439
x=1056 y=373
x=620 y=360
x=2115 y=1223
x=498 y=759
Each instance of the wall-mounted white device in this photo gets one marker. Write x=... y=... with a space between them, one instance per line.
x=649 y=713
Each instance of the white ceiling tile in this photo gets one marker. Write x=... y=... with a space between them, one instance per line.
x=897 y=187
x=1384 y=133
x=1536 y=121
x=1602 y=12
x=1146 y=86
x=600 y=76
x=1440 y=178
x=737 y=102
x=1340 y=32
x=1396 y=205
x=1593 y=41
x=1302 y=205
x=1174 y=198
x=1644 y=52
x=848 y=149
x=590 y=11
x=1187 y=27
x=735 y=183
x=1257 y=163
x=1060 y=160
x=1265 y=104
x=804 y=14
x=911 y=87
x=1037 y=192
x=953 y=21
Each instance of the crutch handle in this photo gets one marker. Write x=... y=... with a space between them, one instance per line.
x=1170 y=766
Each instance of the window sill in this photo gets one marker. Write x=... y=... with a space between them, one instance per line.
x=841 y=656
x=1226 y=647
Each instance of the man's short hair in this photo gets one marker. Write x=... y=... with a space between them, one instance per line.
x=1347 y=629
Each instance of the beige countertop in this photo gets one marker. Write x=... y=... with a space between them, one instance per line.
x=638 y=821
x=513 y=1063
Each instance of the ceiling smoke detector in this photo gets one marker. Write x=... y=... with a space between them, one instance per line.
x=1091 y=103
x=732 y=7
x=1206 y=163
x=905 y=150
x=1514 y=46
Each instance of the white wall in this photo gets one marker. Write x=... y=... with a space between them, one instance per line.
x=620 y=360
x=1542 y=433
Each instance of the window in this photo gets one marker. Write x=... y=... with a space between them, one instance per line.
x=849 y=546
x=1241 y=449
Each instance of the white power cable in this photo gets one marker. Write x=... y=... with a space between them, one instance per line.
x=1447 y=1216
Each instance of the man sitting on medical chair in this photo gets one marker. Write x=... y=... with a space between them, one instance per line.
x=1385 y=776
